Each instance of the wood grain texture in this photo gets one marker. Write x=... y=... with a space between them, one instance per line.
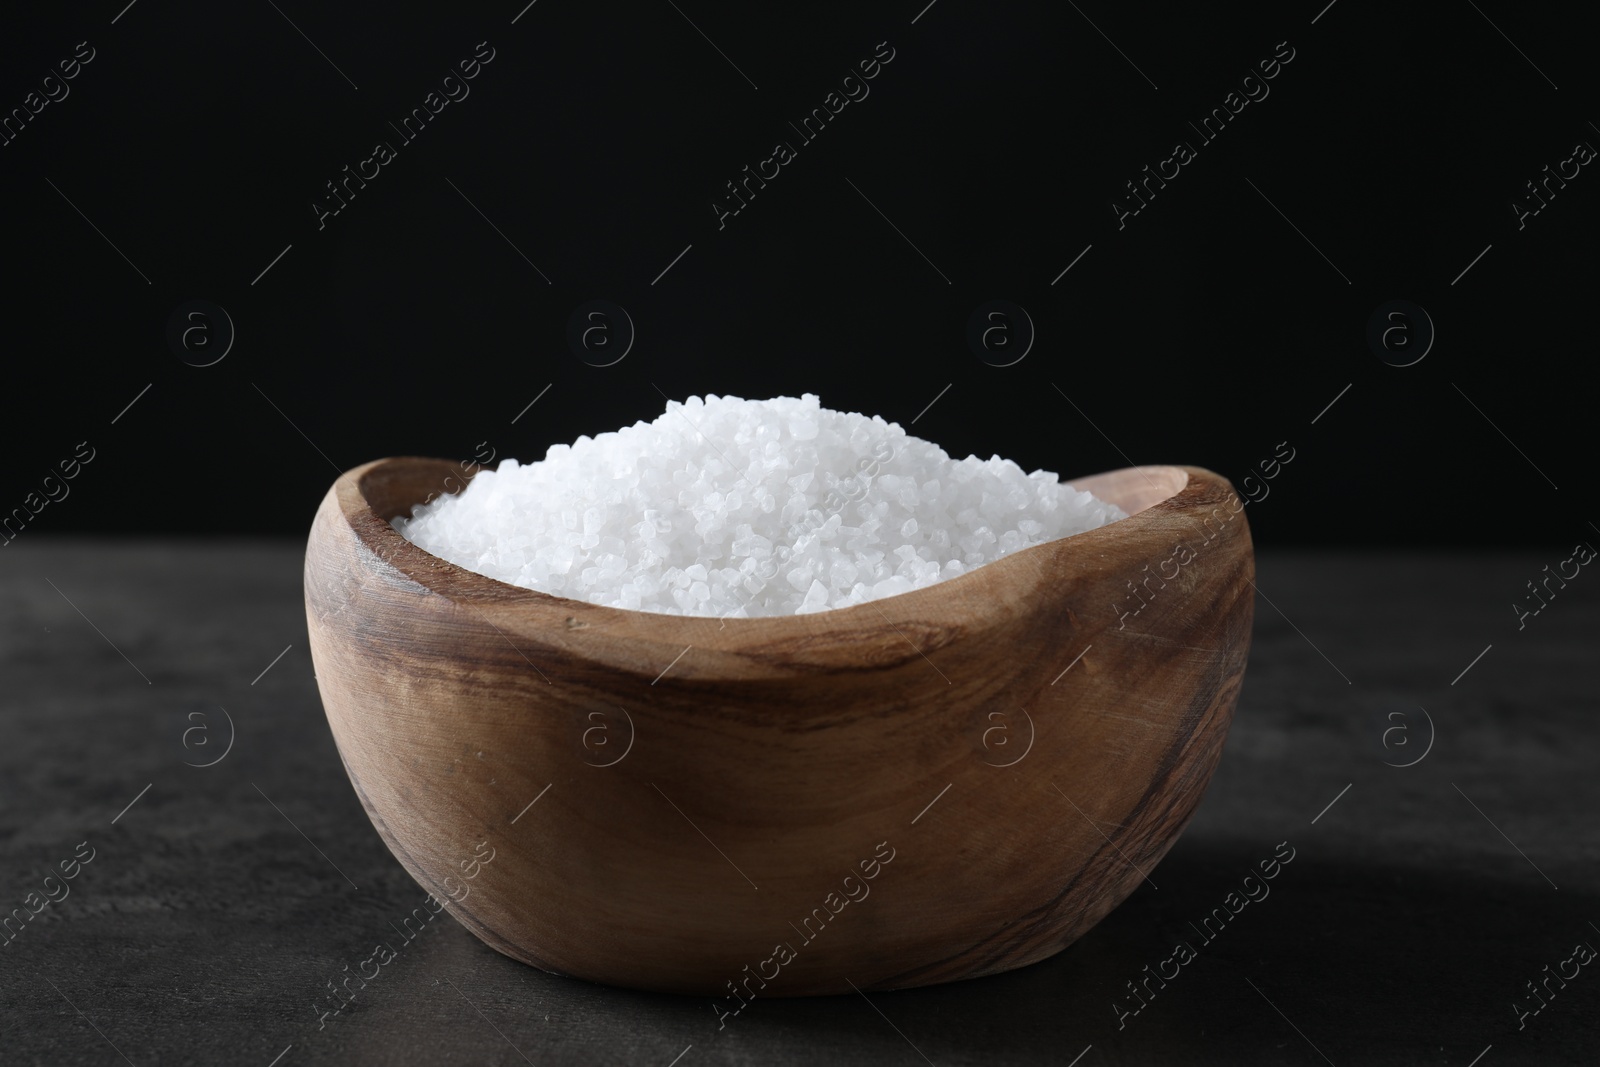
x=767 y=759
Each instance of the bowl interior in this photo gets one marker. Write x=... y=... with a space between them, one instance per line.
x=392 y=487
x=1135 y=489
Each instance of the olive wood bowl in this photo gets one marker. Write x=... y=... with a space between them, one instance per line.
x=947 y=783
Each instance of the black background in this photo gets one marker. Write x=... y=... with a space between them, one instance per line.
x=1205 y=332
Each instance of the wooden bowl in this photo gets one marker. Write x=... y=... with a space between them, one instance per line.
x=947 y=783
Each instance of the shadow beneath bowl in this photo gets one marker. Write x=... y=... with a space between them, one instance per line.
x=1372 y=962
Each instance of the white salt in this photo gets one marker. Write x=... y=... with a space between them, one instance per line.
x=730 y=507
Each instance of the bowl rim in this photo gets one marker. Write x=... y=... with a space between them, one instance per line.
x=1172 y=513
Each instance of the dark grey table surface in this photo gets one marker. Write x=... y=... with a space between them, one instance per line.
x=1417 y=909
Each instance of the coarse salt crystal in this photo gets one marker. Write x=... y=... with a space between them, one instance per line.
x=731 y=507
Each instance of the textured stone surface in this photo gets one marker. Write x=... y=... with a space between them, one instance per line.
x=205 y=927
